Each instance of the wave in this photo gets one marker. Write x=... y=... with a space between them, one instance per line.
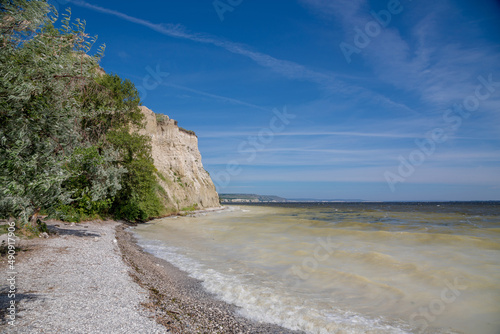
x=330 y=272
x=273 y=305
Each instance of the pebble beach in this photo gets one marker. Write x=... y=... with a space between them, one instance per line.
x=93 y=278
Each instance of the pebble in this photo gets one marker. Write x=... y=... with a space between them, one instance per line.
x=67 y=285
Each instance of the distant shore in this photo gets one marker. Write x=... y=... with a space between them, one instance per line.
x=93 y=278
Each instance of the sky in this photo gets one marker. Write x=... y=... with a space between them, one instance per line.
x=375 y=100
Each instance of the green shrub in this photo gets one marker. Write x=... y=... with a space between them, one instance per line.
x=191 y=208
x=139 y=197
x=67 y=146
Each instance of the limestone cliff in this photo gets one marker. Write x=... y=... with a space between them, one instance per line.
x=177 y=158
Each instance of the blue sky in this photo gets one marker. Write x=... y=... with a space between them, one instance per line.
x=375 y=100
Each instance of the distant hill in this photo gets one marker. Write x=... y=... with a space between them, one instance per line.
x=249 y=198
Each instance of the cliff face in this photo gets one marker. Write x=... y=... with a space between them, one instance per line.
x=177 y=158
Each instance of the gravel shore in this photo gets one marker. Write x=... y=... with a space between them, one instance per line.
x=93 y=278
x=75 y=282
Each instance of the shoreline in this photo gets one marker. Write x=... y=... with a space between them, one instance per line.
x=178 y=301
x=92 y=277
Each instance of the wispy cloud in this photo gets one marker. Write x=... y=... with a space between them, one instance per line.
x=224 y=99
x=289 y=69
x=427 y=60
x=222 y=134
x=434 y=175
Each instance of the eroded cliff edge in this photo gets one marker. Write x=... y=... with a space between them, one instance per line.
x=177 y=158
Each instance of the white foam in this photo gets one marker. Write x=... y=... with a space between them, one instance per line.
x=265 y=303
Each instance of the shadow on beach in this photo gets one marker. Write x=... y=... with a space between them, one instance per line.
x=5 y=303
x=77 y=230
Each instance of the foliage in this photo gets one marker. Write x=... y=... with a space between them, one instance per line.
x=109 y=103
x=138 y=199
x=68 y=133
x=189 y=132
x=161 y=118
x=95 y=179
x=41 y=74
x=191 y=208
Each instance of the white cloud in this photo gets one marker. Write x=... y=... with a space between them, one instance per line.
x=326 y=80
x=457 y=176
x=217 y=97
x=428 y=60
x=225 y=134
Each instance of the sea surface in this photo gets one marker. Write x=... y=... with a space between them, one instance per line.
x=345 y=267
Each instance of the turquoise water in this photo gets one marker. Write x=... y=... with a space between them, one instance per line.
x=345 y=268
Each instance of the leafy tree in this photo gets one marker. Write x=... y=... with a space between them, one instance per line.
x=107 y=104
x=69 y=141
x=111 y=119
x=138 y=199
x=42 y=74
